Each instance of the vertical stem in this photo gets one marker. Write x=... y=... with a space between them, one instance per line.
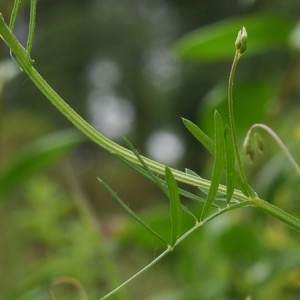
x=31 y=26
x=14 y=14
x=248 y=189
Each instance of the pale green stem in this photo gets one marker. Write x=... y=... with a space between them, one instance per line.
x=26 y=64
x=13 y=19
x=31 y=25
x=277 y=213
x=232 y=126
x=279 y=142
x=14 y=14
x=260 y=204
x=178 y=241
x=153 y=262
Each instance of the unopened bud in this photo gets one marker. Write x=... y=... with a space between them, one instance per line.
x=241 y=41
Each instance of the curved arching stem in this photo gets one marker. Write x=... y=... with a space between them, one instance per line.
x=277 y=139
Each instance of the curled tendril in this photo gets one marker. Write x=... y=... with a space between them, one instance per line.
x=248 y=146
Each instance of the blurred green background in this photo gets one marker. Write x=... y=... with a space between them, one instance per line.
x=133 y=68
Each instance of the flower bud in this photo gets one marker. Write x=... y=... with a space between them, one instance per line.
x=241 y=41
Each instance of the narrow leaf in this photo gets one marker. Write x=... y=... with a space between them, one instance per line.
x=218 y=164
x=131 y=212
x=230 y=161
x=209 y=144
x=191 y=172
x=135 y=167
x=151 y=174
x=190 y=195
x=189 y=213
x=142 y=171
x=204 y=190
x=203 y=138
x=175 y=206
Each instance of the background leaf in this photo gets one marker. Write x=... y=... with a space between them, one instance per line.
x=37 y=156
x=203 y=138
x=216 y=41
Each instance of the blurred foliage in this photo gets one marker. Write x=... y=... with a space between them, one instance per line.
x=215 y=42
x=37 y=157
x=56 y=220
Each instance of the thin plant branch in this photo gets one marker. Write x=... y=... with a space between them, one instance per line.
x=241 y=46
x=179 y=240
x=31 y=28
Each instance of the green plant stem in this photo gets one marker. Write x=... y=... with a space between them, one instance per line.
x=232 y=125
x=31 y=28
x=14 y=14
x=178 y=241
x=276 y=212
x=26 y=64
x=153 y=262
x=279 y=142
x=260 y=204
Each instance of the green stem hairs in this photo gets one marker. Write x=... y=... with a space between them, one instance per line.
x=223 y=147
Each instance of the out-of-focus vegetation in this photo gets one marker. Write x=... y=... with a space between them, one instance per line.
x=134 y=68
